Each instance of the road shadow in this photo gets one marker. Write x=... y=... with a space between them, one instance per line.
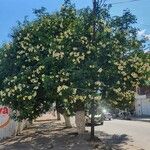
x=113 y=142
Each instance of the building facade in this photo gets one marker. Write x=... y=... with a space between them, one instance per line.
x=142 y=101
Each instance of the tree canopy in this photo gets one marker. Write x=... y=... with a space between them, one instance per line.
x=54 y=59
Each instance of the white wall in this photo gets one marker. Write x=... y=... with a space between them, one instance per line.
x=142 y=105
x=8 y=130
x=11 y=128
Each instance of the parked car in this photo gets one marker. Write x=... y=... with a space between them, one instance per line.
x=108 y=116
x=99 y=119
x=125 y=115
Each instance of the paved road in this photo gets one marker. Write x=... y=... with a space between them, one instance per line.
x=130 y=133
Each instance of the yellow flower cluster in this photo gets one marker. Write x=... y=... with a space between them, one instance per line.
x=117 y=90
x=29 y=97
x=134 y=75
x=64 y=76
x=12 y=90
x=77 y=57
x=39 y=69
x=57 y=55
x=100 y=70
x=61 y=88
x=94 y=97
x=84 y=40
x=92 y=66
x=98 y=83
x=36 y=58
x=97 y=98
x=80 y=97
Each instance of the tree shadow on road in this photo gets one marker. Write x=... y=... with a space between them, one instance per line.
x=114 y=142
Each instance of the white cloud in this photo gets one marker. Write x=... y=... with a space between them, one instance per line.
x=142 y=33
x=147 y=36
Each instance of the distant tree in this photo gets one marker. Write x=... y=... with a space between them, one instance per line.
x=146 y=59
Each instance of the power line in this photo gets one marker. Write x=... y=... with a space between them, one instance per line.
x=145 y=25
x=129 y=1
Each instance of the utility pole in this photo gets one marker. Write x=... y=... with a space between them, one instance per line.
x=96 y=5
x=93 y=41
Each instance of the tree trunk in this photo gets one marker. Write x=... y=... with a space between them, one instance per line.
x=58 y=116
x=18 y=128
x=92 y=120
x=67 y=121
x=80 y=121
x=28 y=124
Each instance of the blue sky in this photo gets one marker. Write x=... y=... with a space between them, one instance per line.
x=13 y=10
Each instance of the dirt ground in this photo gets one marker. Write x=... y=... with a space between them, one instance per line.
x=50 y=134
x=45 y=136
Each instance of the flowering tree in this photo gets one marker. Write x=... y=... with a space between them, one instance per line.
x=60 y=58
x=41 y=62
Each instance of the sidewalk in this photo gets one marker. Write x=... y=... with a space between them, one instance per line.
x=47 y=135
x=143 y=119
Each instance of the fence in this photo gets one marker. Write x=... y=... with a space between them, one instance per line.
x=9 y=127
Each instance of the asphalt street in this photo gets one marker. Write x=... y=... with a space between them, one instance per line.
x=131 y=133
